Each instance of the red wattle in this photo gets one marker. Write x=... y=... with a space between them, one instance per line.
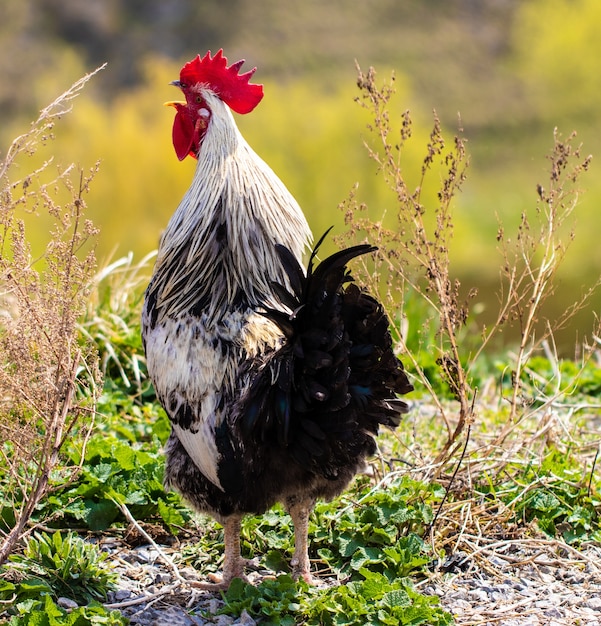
x=183 y=135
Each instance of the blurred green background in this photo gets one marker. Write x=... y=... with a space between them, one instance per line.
x=506 y=71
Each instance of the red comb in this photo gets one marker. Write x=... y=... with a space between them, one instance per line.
x=233 y=88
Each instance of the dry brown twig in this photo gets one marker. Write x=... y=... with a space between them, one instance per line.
x=165 y=557
x=414 y=256
x=48 y=378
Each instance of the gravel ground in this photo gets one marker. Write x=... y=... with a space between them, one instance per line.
x=529 y=584
x=517 y=583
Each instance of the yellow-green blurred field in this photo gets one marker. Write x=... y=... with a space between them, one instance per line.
x=539 y=68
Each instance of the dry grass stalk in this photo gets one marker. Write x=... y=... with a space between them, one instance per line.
x=48 y=377
x=531 y=260
x=415 y=257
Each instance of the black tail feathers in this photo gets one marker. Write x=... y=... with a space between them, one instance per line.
x=337 y=374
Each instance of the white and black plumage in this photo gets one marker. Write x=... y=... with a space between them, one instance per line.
x=275 y=381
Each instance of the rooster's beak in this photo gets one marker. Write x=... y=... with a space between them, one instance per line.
x=173 y=104
x=175 y=83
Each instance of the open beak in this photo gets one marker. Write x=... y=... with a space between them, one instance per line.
x=174 y=103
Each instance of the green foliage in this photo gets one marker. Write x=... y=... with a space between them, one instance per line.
x=375 y=599
x=559 y=494
x=273 y=601
x=131 y=418
x=63 y=566
x=45 y=612
x=54 y=566
x=388 y=602
x=560 y=499
x=546 y=377
x=112 y=323
x=380 y=529
x=116 y=472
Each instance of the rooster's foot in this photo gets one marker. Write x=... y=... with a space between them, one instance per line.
x=217 y=582
x=221 y=582
x=306 y=575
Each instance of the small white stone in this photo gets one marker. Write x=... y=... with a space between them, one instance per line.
x=122 y=594
x=67 y=603
x=594 y=602
x=479 y=595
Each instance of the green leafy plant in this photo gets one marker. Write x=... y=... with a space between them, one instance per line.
x=53 y=566
x=112 y=323
x=115 y=470
x=276 y=601
x=375 y=599
x=558 y=493
x=46 y=612
x=381 y=528
x=115 y=473
x=68 y=565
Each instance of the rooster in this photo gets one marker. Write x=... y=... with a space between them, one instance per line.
x=275 y=379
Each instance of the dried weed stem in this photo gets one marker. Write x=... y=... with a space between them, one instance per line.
x=414 y=257
x=48 y=377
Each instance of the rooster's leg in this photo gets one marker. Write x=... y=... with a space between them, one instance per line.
x=233 y=564
x=300 y=510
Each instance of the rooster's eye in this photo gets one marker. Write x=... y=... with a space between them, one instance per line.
x=198 y=99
